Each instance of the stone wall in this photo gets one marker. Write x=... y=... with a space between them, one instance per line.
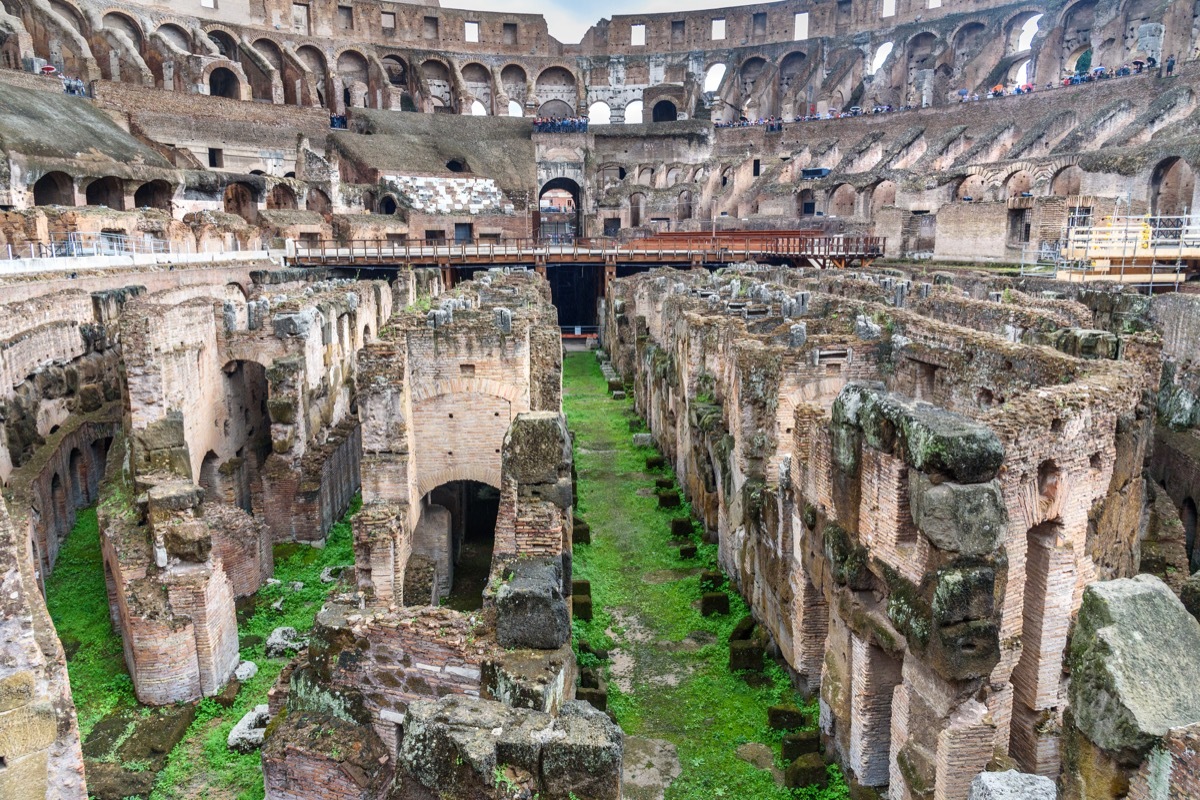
x=910 y=499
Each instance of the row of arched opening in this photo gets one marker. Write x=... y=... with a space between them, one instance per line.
x=1171 y=191
x=59 y=189
x=71 y=488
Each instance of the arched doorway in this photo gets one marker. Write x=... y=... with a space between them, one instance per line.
x=387 y=205
x=558 y=210
x=155 y=194
x=281 y=198
x=223 y=83
x=841 y=202
x=882 y=196
x=246 y=436
x=1067 y=182
x=240 y=201
x=664 y=111
x=637 y=209
x=1171 y=188
x=318 y=202
x=455 y=535
x=806 y=203
x=555 y=108
x=54 y=189
x=106 y=192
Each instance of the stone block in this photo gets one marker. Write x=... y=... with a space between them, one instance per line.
x=297 y=324
x=531 y=609
x=581 y=606
x=581 y=532
x=800 y=743
x=91 y=397
x=597 y=697
x=746 y=656
x=927 y=438
x=668 y=498
x=1134 y=647
x=246 y=736
x=618 y=395
x=785 y=717
x=16 y=690
x=643 y=440
x=1012 y=785
x=532 y=679
x=587 y=759
x=744 y=630
x=963 y=594
x=807 y=770
x=589 y=678
x=682 y=527
x=664 y=483
x=537 y=449
x=959 y=518
x=284 y=641
x=581 y=587
x=655 y=462
x=714 y=603
x=711 y=580
x=687 y=551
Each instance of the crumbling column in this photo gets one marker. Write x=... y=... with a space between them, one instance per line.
x=873 y=679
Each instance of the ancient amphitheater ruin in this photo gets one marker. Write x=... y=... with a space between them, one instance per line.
x=791 y=400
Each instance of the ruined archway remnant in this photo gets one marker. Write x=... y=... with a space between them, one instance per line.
x=222 y=82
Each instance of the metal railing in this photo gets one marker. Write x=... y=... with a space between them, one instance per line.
x=86 y=245
x=706 y=249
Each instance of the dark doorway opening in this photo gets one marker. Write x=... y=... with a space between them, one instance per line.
x=559 y=210
x=473 y=508
x=575 y=288
x=664 y=111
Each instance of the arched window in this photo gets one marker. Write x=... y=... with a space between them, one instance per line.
x=223 y=83
x=599 y=114
x=633 y=113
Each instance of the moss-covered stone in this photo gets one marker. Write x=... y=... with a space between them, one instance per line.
x=847 y=559
x=1133 y=647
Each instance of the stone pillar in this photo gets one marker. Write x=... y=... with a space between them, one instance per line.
x=873 y=679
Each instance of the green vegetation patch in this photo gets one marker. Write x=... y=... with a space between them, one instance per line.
x=672 y=679
x=202 y=762
x=78 y=602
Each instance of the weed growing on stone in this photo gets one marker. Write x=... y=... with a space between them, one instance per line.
x=671 y=680
x=202 y=760
x=78 y=604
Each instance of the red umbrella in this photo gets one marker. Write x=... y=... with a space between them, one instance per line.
x=49 y=69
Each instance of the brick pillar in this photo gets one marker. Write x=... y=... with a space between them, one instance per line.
x=963 y=750
x=810 y=625
x=873 y=679
x=1049 y=584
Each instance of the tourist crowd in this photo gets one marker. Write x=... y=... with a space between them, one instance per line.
x=74 y=87
x=338 y=122
x=560 y=124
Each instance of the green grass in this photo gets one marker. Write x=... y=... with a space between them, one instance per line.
x=708 y=712
x=78 y=604
x=202 y=761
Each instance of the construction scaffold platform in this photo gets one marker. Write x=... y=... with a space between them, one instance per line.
x=1146 y=251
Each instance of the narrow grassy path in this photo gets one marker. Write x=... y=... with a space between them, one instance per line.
x=78 y=603
x=668 y=676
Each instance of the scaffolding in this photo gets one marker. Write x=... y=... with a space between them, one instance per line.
x=1150 y=251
